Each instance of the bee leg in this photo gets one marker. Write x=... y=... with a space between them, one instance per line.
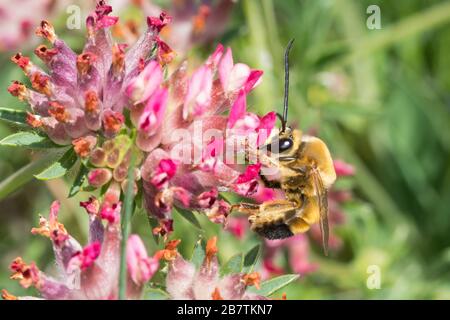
x=247 y=208
x=270 y=184
x=272 y=220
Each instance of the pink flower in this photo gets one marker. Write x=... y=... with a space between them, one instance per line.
x=246 y=184
x=145 y=84
x=86 y=258
x=343 y=169
x=140 y=266
x=185 y=282
x=166 y=170
x=244 y=123
x=91 y=272
x=153 y=114
x=233 y=77
x=86 y=93
x=198 y=95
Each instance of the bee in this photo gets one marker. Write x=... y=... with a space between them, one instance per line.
x=305 y=174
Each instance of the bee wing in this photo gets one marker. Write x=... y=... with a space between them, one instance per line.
x=322 y=195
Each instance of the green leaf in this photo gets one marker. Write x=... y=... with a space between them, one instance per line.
x=79 y=180
x=30 y=140
x=156 y=294
x=271 y=286
x=14 y=116
x=24 y=175
x=199 y=254
x=189 y=216
x=60 y=167
x=233 y=265
x=251 y=258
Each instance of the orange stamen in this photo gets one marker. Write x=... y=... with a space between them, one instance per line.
x=216 y=295
x=59 y=112
x=8 y=296
x=41 y=83
x=85 y=61
x=47 y=31
x=91 y=103
x=252 y=279
x=18 y=89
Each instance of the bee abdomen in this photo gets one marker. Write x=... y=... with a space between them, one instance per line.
x=273 y=231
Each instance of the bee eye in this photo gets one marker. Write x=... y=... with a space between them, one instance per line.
x=280 y=145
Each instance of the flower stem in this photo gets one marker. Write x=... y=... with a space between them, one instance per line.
x=127 y=211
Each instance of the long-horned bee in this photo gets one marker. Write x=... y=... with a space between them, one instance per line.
x=305 y=173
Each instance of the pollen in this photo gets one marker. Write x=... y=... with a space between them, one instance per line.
x=41 y=83
x=85 y=61
x=45 y=54
x=118 y=58
x=211 y=249
x=91 y=104
x=252 y=279
x=59 y=112
x=83 y=146
x=8 y=296
x=113 y=122
x=33 y=120
x=47 y=31
x=22 y=61
x=216 y=294
x=28 y=275
x=170 y=252
x=18 y=89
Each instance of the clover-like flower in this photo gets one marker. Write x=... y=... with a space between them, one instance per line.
x=186 y=282
x=89 y=272
x=113 y=105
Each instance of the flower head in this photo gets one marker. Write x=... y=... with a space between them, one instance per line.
x=185 y=281
x=89 y=272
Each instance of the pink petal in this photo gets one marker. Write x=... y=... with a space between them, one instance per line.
x=86 y=258
x=238 y=77
x=140 y=267
x=179 y=279
x=237 y=227
x=343 y=169
x=145 y=84
x=206 y=279
x=225 y=68
x=251 y=173
x=266 y=125
x=253 y=80
x=232 y=287
x=166 y=170
x=111 y=212
x=214 y=59
x=153 y=114
x=238 y=109
x=299 y=255
x=198 y=96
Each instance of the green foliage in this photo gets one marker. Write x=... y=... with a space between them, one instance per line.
x=271 y=286
x=13 y=116
x=60 y=167
x=29 y=140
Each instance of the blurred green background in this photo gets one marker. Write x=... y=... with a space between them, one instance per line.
x=379 y=98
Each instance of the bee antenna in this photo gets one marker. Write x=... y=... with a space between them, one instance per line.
x=286 y=83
